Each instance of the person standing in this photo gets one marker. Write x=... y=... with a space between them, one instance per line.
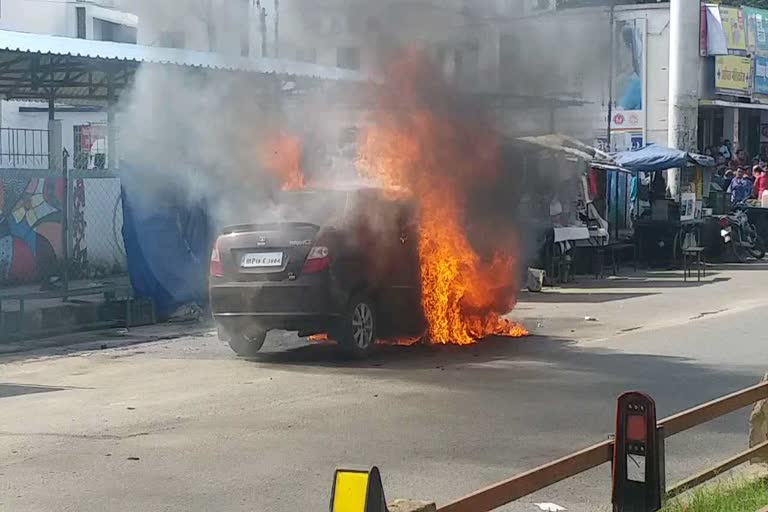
x=740 y=188
x=725 y=149
x=761 y=182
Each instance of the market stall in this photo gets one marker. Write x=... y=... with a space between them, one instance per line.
x=664 y=226
x=577 y=200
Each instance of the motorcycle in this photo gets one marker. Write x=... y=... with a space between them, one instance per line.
x=741 y=236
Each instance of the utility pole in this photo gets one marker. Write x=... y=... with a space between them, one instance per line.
x=683 y=82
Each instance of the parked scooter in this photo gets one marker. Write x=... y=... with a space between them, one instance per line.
x=740 y=235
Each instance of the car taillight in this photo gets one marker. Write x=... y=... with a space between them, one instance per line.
x=217 y=269
x=724 y=223
x=317 y=260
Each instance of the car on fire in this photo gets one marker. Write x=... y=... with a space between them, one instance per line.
x=337 y=262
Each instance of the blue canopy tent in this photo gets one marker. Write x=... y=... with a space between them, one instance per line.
x=664 y=220
x=653 y=158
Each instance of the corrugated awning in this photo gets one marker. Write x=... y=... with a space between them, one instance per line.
x=559 y=143
x=33 y=66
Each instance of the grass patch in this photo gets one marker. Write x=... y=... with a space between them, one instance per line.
x=746 y=496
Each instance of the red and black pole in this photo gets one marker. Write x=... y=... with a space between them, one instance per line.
x=638 y=468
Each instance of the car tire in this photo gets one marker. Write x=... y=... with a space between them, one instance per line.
x=357 y=329
x=247 y=343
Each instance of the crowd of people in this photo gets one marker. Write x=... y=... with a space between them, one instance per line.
x=744 y=178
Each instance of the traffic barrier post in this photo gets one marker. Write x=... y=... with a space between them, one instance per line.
x=637 y=469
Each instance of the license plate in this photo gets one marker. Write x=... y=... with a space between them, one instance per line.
x=262 y=260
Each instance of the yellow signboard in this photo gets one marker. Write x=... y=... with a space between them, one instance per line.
x=735 y=29
x=733 y=75
x=357 y=491
x=350 y=490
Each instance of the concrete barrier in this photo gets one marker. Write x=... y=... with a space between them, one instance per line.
x=758 y=427
x=411 y=506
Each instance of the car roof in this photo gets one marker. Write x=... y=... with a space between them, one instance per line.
x=368 y=190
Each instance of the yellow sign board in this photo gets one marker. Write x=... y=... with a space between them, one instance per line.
x=734 y=28
x=349 y=491
x=357 y=491
x=733 y=75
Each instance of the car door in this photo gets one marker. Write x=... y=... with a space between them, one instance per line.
x=406 y=273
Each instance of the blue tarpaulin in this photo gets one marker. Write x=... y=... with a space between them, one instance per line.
x=659 y=158
x=168 y=239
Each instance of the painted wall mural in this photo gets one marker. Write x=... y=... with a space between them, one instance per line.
x=30 y=228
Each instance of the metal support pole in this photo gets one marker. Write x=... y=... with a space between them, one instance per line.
x=262 y=27
x=612 y=42
x=277 y=28
x=112 y=160
x=65 y=215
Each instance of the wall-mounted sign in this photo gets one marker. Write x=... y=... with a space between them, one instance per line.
x=733 y=75
x=757 y=30
x=761 y=75
x=629 y=96
x=735 y=30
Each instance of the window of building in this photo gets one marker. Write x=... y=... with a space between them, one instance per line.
x=81 y=23
x=171 y=40
x=348 y=58
x=107 y=31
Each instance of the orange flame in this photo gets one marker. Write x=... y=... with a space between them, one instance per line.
x=420 y=142
x=282 y=156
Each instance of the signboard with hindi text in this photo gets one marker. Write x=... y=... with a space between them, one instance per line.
x=761 y=75
x=757 y=30
x=735 y=30
x=733 y=75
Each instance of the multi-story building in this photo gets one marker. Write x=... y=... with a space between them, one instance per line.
x=82 y=126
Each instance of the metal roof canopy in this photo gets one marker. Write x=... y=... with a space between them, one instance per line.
x=559 y=143
x=42 y=67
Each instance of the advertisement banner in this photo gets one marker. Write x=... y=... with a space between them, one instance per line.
x=629 y=76
x=735 y=30
x=757 y=24
x=733 y=75
x=761 y=75
x=620 y=141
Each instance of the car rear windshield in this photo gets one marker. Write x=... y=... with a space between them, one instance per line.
x=315 y=207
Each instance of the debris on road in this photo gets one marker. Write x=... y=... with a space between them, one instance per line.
x=550 y=507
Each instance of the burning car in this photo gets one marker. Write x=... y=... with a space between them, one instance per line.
x=342 y=262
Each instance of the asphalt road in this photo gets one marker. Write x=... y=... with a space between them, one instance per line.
x=184 y=425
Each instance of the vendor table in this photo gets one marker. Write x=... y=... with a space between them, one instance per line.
x=657 y=239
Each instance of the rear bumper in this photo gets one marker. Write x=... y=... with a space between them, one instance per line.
x=275 y=305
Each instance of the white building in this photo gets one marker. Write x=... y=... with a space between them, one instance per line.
x=82 y=126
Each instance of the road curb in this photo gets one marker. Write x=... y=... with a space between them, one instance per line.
x=106 y=338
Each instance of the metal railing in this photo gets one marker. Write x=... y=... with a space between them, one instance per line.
x=24 y=148
x=521 y=485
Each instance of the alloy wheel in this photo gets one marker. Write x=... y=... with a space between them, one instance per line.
x=362 y=325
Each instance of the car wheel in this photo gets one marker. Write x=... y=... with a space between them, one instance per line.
x=357 y=330
x=247 y=343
